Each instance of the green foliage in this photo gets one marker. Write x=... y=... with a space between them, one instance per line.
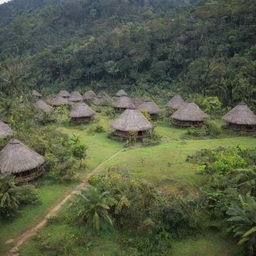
x=242 y=222
x=92 y=209
x=12 y=197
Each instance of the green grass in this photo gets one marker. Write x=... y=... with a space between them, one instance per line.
x=163 y=165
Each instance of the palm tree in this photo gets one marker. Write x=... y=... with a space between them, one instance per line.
x=243 y=222
x=93 y=208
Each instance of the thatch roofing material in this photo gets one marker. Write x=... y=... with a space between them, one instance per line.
x=5 y=130
x=89 y=95
x=241 y=114
x=131 y=120
x=16 y=157
x=189 y=112
x=36 y=93
x=81 y=110
x=137 y=101
x=175 y=102
x=124 y=102
x=42 y=105
x=57 y=101
x=121 y=93
x=150 y=107
x=64 y=94
x=98 y=100
x=75 y=97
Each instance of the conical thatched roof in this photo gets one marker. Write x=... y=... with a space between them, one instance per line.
x=131 y=120
x=57 y=101
x=16 y=157
x=137 y=101
x=81 y=110
x=98 y=100
x=42 y=105
x=189 y=112
x=75 y=97
x=89 y=95
x=241 y=114
x=124 y=102
x=150 y=107
x=5 y=130
x=121 y=93
x=36 y=93
x=175 y=102
x=64 y=94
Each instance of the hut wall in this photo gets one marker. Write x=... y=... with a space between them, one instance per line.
x=241 y=127
x=188 y=123
x=81 y=120
x=154 y=116
x=127 y=135
x=29 y=175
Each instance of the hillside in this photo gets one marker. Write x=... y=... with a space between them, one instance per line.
x=205 y=47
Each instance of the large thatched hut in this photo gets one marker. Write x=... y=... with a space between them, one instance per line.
x=121 y=93
x=81 y=113
x=89 y=95
x=150 y=107
x=5 y=130
x=18 y=159
x=123 y=103
x=43 y=106
x=75 y=97
x=58 y=101
x=189 y=115
x=175 y=103
x=64 y=94
x=131 y=124
x=240 y=118
x=36 y=93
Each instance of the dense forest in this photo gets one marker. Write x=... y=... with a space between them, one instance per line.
x=205 y=47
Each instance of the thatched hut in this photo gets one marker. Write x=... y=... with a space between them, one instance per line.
x=98 y=100
x=18 y=159
x=240 y=118
x=150 y=107
x=137 y=101
x=121 y=93
x=131 y=124
x=43 y=106
x=58 y=101
x=81 y=113
x=189 y=115
x=64 y=94
x=89 y=95
x=123 y=103
x=175 y=103
x=5 y=130
x=36 y=93
x=75 y=97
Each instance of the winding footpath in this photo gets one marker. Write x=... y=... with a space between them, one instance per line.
x=53 y=212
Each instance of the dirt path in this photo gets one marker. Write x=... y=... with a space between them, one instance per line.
x=53 y=212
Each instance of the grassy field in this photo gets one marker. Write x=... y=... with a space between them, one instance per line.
x=164 y=165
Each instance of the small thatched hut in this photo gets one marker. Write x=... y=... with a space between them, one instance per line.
x=175 y=103
x=5 y=130
x=121 y=93
x=42 y=105
x=75 y=97
x=18 y=159
x=189 y=115
x=150 y=107
x=131 y=124
x=36 y=93
x=58 y=101
x=137 y=101
x=123 y=103
x=89 y=95
x=64 y=94
x=81 y=113
x=240 y=118
x=98 y=100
